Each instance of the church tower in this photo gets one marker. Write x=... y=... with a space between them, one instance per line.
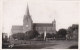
x=27 y=21
x=54 y=26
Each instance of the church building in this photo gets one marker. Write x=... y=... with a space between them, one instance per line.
x=29 y=25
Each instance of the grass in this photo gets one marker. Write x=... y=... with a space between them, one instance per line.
x=73 y=47
x=33 y=46
x=43 y=44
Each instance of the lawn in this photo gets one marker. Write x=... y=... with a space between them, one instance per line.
x=34 y=45
x=53 y=44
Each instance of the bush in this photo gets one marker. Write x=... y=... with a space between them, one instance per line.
x=31 y=34
x=61 y=34
x=19 y=36
x=25 y=36
x=48 y=35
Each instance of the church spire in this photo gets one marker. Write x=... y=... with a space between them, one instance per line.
x=27 y=10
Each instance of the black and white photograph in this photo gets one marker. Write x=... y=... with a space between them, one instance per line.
x=40 y=24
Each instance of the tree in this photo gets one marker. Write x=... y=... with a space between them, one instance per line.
x=31 y=34
x=73 y=28
x=48 y=35
x=4 y=37
x=53 y=35
x=19 y=36
x=5 y=40
x=73 y=31
x=62 y=33
x=41 y=35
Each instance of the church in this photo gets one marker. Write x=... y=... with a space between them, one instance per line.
x=29 y=25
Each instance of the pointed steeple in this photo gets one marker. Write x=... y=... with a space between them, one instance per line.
x=27 y=13
x=27 y=10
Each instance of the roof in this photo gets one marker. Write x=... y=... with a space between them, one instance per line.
x=43 y=24
x=17 y=27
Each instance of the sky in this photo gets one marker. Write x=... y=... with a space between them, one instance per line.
x=65 y=13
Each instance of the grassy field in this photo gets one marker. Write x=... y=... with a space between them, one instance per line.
x=53 y=44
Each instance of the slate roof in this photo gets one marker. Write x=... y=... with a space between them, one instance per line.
x=17 y=27
x=43 y=24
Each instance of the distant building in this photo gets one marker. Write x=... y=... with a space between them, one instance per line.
x=4 y=35
x=29 y=25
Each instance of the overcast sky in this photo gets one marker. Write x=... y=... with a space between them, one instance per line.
x=42 y=11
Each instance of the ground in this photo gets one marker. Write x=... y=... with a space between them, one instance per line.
x=52 y=44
